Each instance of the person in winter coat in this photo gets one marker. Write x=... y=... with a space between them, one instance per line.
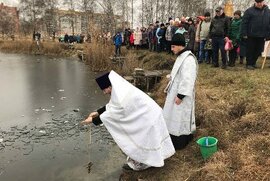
x=144 y=43
x=131 y=39
x=202 y=36
x=234 y=36
x=126 y=37
x=255 y=29
x=150 y=37
x=179 y=108
x=155 y=39
x=161 y=37
x=218 y=31
x=138 y=38
x=118 y=43
x=135 y=122
x=191 y=35
x=175 y=26
x=168 y=36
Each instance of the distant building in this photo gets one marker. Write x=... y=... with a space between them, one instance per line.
x=75 y=21
x=68 y=22
x=13 y=12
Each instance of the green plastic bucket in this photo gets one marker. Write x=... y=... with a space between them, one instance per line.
x=208 y=146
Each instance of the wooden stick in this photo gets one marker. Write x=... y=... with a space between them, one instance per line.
x=266 y=53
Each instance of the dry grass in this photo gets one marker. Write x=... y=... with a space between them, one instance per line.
x=234 y=106
x=30 y=47
x=98 y=56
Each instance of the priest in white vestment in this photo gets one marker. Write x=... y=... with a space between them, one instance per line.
x=135 y=122
x=179 y=108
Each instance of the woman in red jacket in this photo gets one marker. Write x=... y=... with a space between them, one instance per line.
x=131 y=39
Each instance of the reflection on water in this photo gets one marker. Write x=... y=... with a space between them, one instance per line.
x=43 y=100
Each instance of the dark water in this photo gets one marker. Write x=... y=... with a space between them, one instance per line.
x=42 y=101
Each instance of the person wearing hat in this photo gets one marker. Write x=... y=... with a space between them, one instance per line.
x=161 y=37
x=218 y=32
x=191 y=35
x=234 y=36
x=255 y=30
x=155 y=39
x=202 y=36
x=117 y=39
x=168 y=36
x=135 y=122
x=179 y=108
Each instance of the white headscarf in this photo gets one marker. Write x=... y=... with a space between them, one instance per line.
x=136 y=123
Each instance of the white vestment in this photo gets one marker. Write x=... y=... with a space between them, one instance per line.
x=180 y=119
x=136 y=123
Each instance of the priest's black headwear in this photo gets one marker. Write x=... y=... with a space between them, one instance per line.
x=103 y=81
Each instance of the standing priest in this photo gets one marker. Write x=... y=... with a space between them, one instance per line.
x=179 y=108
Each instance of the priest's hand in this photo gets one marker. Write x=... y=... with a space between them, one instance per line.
x=87 y=121
x=177 y=101
x=93 y=114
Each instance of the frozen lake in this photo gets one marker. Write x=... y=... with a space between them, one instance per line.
x=42 y=101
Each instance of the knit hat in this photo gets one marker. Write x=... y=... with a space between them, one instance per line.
x=258 y=1
x=103 y=81
x=207 y=14
x=178 y=39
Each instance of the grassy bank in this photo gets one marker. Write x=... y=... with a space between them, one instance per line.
x=234 y=106
x=46 y=47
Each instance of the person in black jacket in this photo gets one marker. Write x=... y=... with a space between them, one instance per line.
x=191 y=35
x=218 y=31
x=162 y=40
x=255 y=30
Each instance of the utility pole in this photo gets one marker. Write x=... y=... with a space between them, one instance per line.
x=142 y=13
x=157 y=9
x=132 y=14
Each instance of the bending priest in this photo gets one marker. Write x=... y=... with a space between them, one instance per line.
x=135 y=122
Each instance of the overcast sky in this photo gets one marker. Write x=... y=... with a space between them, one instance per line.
x=10 y=2
x=136 y=6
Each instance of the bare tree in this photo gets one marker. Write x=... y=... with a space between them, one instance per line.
x=157 y=9
x=71 y=14
x=132 y=13
x=25 y=27
x=109 y=16
x=88 y=7
x=122 y=8
x=50 y=17
x=32 y=11
x=7 y=24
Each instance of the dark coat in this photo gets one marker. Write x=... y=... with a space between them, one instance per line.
x=256 y=22
x=219 y=26
x=191 y=37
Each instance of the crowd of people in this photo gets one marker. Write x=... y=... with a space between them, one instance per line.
x=72 y=38
x=235 y=37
